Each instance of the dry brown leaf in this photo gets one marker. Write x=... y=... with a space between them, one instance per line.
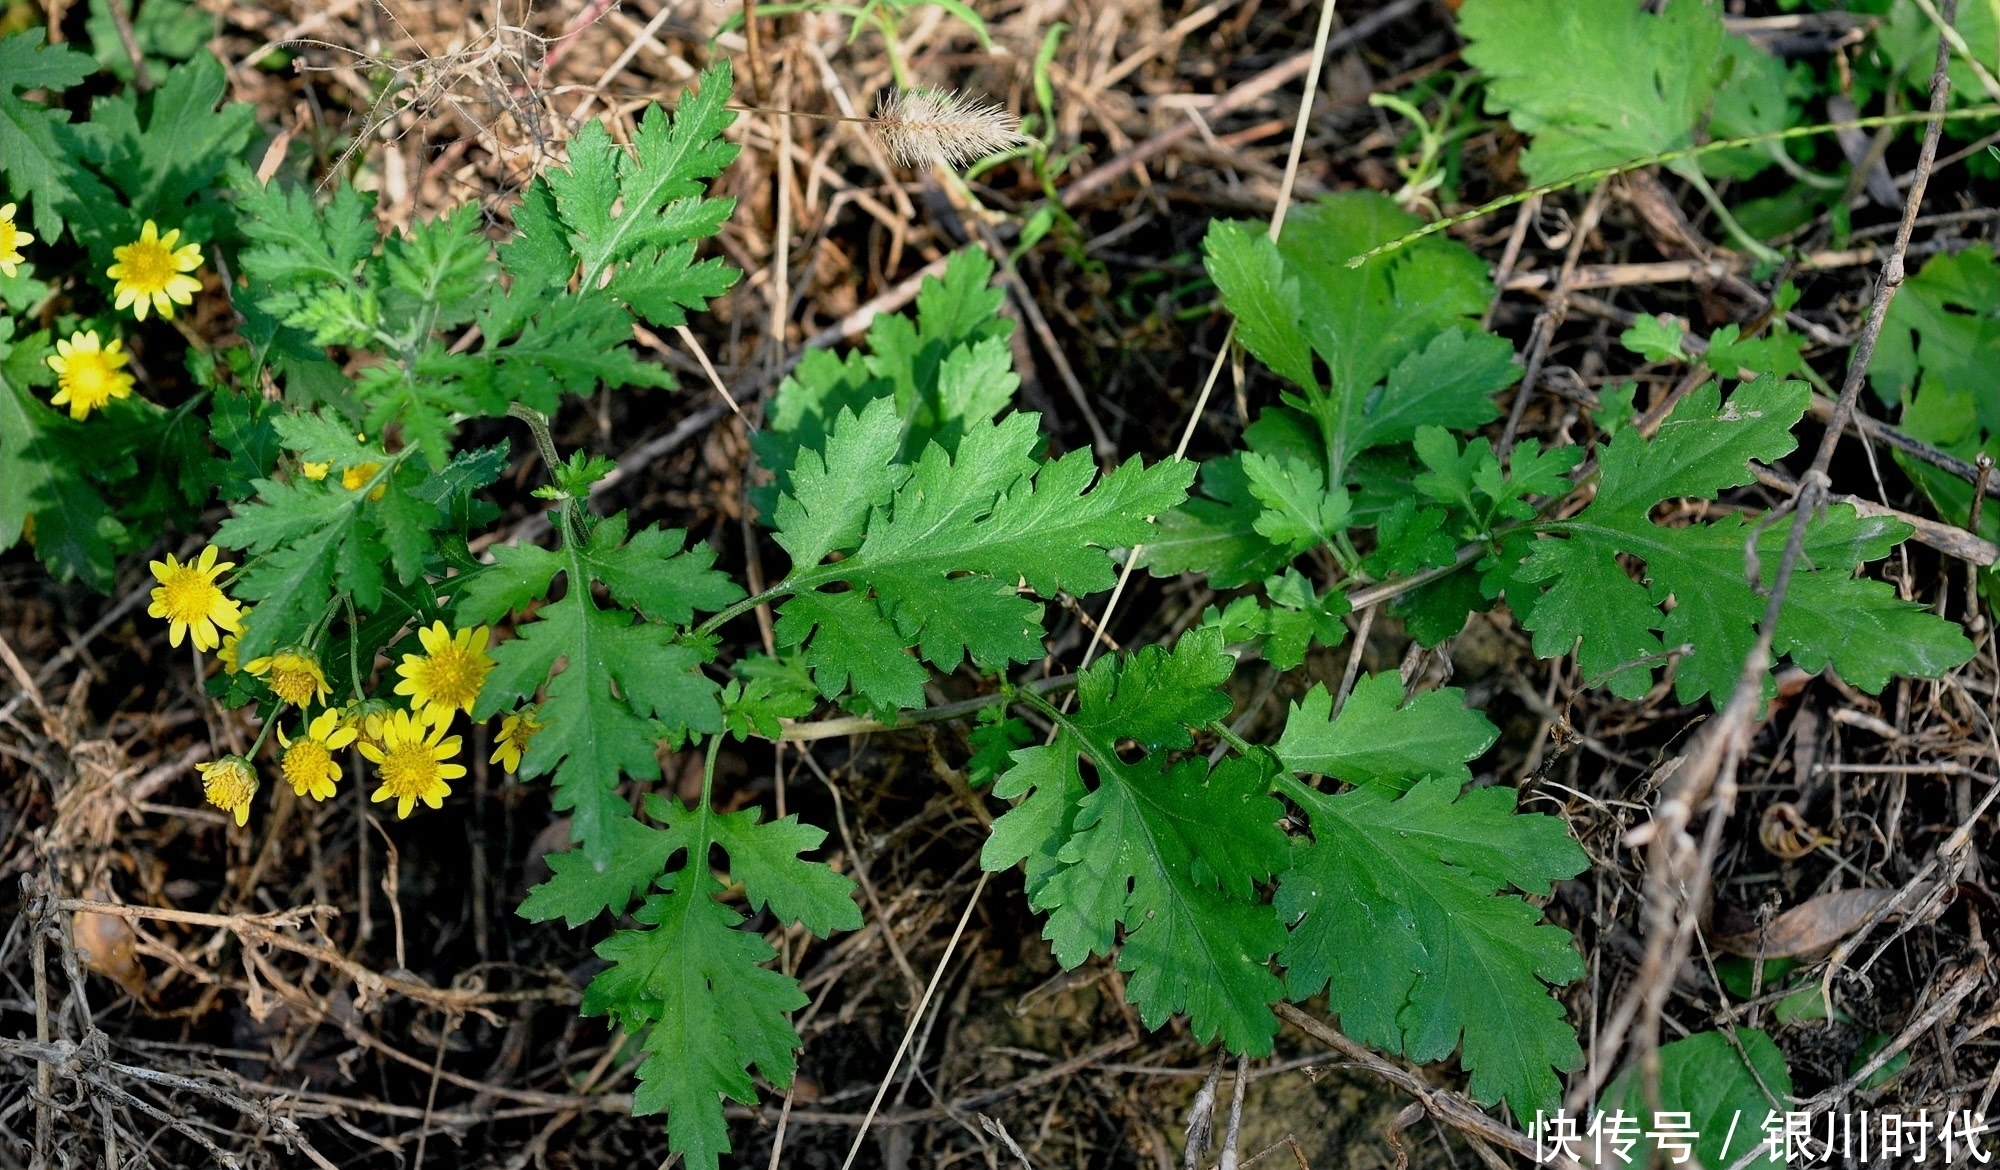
x=106 y=945
x=1813 y=926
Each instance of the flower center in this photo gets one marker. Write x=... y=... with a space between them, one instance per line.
x=305 y=763
x=9 y=236
x=189 y=595
x=409 y=769
x=148 y=265
x=454 y=677
x=89 y=378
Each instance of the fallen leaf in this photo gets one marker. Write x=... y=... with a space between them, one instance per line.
x=107 y=945
x=1812 y=926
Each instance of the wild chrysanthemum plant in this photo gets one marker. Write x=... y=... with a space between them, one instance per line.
x=925 y=525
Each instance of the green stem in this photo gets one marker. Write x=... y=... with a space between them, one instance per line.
x=538 y=425
x=264 y=732
x=708 y=783
x=742 y=607
x=1743 y=239
x=1671 y=156
x=353 y=646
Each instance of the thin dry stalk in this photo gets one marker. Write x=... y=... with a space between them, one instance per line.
x=1680 y=870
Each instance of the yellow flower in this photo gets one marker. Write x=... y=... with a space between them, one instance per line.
x=189 y=598
x=227 y=654
x=356 y=477
x=365 y=717
x=229 y=783
x=515 y=732
x=294 y=675
x=11 y=239
x=315 y=471
x=151 y=272
x=308 y=760
x=414 y=756
x=89 y=374
x=449 y=677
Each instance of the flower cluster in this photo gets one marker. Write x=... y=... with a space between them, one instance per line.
x=411 y=748
x=150 y=273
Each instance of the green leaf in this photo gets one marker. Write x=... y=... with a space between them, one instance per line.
x=1215 y=532
x=1706 y=1077
x=672 y=155
x=1450 y=960
x=766 y=691
x=656 y=572
x=451 y=489
x=853 y=647
x=241 y=425
x=694 y=986
x=942 y=560
x=519 y=574
x=1945 y=323
x=832 y=495
x=690 y=981
x=1299 y=513
x=296 y=247
x=163 y=29
x=622 y=687
x=33 y=152
x=1251 y=277
x=1409 y=538
x=1776 y=355
x=765 y=858
x=1296 y=618
x=1756 y=97
x=1170 y=853
x=1382 y=740
x=439 y=270
x=1701 y=449
x=1633 y=83
x=580 y=887
x=664 y=286
x=945 y=371
x=1403 y=318
x=1657 y=339
x=185 y=144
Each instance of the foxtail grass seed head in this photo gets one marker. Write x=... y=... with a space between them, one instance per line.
x=924 y=127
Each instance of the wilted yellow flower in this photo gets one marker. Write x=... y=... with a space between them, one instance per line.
x=189 y=598
x=89 y=374
x=151 y=272
x=315 y=471
x=229 y=783
x=414 y=755
x=294 y=674
x=515 y=732
x=11 y=239
x=356 y=477
x=308 y=761
x=449 y=677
